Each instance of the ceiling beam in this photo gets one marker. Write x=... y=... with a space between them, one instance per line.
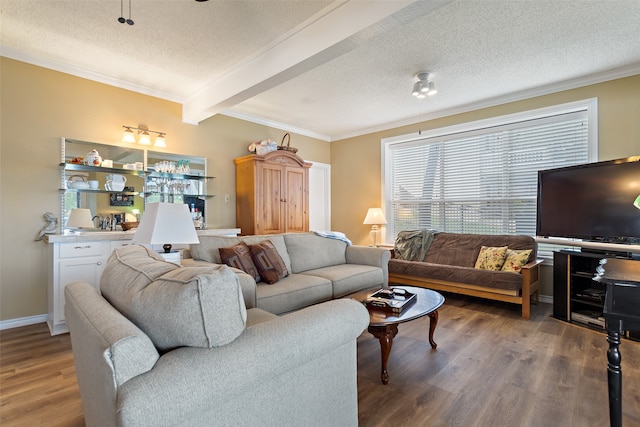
x=335 y=30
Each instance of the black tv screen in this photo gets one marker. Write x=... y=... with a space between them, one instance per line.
x=594 y=201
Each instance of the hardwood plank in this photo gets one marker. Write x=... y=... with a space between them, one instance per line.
x=491 y=368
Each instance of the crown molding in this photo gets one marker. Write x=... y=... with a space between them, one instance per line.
x=591 y=79
x=278 y=125
x=11 y=53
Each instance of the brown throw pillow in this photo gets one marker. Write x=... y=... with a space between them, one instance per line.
x=268 y=262
x=239 y=256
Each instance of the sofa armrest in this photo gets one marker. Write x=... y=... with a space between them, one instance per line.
x=530 y=276
x=247 y=283
x=295 y=360
x=366 y=255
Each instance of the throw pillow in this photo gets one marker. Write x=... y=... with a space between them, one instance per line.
x=184 y=306
x=491 y=258
x=239 y=256
x=268 y=262
x=515 y=259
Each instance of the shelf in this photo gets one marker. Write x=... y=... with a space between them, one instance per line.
x=87 y=168
x=87 y=190
x=583 y=274
x=176 y=176
x=595 y=304
x=154 y=193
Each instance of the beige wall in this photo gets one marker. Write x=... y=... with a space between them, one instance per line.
x=38 y=106
x=356 y=161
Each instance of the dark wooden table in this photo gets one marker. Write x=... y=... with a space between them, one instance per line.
x=384 y=325
x=621 y=313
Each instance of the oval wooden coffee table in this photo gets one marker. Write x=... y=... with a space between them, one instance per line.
x=384 y=325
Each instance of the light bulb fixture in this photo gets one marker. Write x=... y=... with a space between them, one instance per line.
x=128 y=135
x=160 y=142
x=423 y=86
x=144 y=137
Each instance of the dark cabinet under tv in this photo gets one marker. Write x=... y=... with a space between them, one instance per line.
x=577 y=298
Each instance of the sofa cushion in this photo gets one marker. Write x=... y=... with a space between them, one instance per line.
x=468 y=275
x=209 y=247
x=309 y=251
x=294 y=292
x=239 y=256
x=349 y=278
x=185 y=306
x=463 y=249
x=278 y=242
x=515 y=259
x=491 y=258
x=268 y=262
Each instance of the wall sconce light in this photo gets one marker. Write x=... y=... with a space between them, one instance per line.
x=375 y=217
x=144 y=138
x=424 y=86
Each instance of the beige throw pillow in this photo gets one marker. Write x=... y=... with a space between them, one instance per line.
x=175 y=306
x=515 y=259
x=491 y=258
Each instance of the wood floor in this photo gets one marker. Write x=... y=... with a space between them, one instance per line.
x=491 y=368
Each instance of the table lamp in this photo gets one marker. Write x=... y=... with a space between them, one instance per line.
x=166 y=224
x=375 y=217
x=80 y=218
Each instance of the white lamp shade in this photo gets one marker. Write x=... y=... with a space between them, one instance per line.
x=128 y=136
x=144 y=138
x=375 y=216
x=80 y=218
x=166 y=223
x=160 y=141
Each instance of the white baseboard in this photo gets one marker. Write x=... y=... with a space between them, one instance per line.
x=546 y=299
x=23 y=321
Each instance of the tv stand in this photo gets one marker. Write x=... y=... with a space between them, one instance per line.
x=607 y=253
x=577 y=297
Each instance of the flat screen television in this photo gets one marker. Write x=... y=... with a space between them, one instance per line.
x=594 y=202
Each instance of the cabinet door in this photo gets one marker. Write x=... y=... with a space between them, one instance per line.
x=561 y=280
x=270 y=218
x=87 y=269
x=296 y=200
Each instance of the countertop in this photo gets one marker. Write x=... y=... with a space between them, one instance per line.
x=96 y=236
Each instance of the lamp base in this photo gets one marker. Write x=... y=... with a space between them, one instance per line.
x=374 y=234
x=174 y=257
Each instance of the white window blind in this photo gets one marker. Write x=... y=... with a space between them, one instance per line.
x=482 y=180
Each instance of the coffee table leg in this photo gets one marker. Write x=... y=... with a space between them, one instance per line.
x=385 y=335
x=433 y=322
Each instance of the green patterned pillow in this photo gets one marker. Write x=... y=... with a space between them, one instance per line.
x=491 y=258
x=515 y=259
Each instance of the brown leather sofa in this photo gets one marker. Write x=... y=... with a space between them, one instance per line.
x=449 y=266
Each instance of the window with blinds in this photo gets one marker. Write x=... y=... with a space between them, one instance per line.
x=482 y=179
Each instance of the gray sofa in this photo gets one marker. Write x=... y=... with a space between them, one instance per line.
x=188 y=352
x=319 y=269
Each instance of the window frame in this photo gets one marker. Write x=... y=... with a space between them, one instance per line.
x=589 y=106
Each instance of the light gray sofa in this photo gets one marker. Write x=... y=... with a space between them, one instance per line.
x=320 y=269
x=190 y=354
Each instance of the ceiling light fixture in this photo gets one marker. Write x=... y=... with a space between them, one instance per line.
x=128 y=136
x=424 y=86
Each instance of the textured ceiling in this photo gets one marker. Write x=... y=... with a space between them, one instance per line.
x=329 y=69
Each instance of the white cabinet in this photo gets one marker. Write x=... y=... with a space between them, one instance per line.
x=71 y=262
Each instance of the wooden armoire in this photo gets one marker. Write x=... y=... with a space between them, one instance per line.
x=272 y=193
